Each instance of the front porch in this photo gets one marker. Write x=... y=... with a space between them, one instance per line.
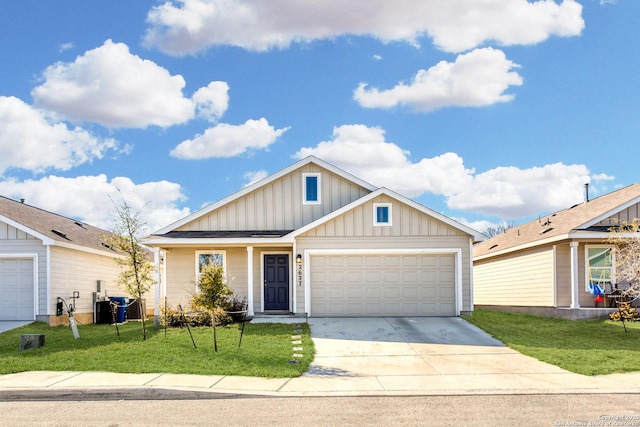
x=263 y=273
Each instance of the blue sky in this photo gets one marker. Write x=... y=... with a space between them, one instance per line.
x=484 y=111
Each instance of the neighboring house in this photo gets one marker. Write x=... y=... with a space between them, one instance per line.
x=44 y=256
x=313 y=240
x=546 y=266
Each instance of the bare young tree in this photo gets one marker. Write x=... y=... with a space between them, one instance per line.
x=137 y=270
x=625 y=239
x=494 y=230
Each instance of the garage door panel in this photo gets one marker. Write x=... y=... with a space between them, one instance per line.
x=373 y=293
x=410 y=292
x=383 y=285
x=391 y=276
x=372 y=276
x=16 y=289
x=354 y=276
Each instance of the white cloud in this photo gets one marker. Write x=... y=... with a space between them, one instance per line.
x=510 y=192
x=181 y=27
x=504 y=192
x=255 y=176
x=364 y=152
x=65 y=46
x=212 y=101
x=110 y=86
x=91 y=198
x=225 y=140
x=30 y=141
x=475 y=79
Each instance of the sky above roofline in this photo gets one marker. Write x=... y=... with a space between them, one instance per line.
x=484 y=114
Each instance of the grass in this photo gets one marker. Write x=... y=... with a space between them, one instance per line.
x=588 y=347
x=266 y=351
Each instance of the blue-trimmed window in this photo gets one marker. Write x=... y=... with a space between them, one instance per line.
x=382 y=214
x=311 y=188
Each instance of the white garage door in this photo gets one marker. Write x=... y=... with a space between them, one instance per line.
x=382 y=285
x=16 y=289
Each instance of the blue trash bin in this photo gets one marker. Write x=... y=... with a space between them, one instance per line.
x=122 y=303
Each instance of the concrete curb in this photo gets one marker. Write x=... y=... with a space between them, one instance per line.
x=156 y=393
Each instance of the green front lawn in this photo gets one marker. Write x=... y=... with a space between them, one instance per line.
x=266 y=351
x=589 y=347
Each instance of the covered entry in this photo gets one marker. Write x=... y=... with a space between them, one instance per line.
x=376 y=283
x=17 y=289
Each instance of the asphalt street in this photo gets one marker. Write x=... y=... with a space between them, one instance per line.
x=492 y=410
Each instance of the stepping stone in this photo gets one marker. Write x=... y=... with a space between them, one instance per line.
x=296 y=342
x=298 y=355
x=298 y=349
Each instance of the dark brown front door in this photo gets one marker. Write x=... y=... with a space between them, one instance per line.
x=276 y=282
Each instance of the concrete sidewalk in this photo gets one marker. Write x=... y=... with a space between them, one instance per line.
x=372 y=356
x=103 y=385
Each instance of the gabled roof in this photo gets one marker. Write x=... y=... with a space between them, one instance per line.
x=52 y=229
x=271 y=178
x=577 y=221
x=477 y=236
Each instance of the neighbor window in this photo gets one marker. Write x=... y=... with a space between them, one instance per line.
x=599 y=265
x=382 y=214
x=217 y=258
x=311 y=188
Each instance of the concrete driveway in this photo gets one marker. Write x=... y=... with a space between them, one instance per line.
x=421 y=354
x=7 y=325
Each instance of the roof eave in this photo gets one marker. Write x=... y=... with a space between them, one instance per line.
x=380 y=191
x=610 y=212
x=45 y=239
x=572 y=235
x=159 y=241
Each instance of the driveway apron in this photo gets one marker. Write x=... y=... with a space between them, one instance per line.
x=418 y=354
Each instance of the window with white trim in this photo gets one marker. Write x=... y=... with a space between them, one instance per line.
x=382 y=214
x=217 y=258
x=311 y=188
x=599 y=265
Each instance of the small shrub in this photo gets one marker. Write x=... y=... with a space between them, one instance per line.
x=173 y=318
x=236 y=305
x=625 y=313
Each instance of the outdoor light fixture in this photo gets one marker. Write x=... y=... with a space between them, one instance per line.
x=299 y=269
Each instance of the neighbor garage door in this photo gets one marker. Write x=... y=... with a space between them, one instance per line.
x=16 y=289
x=382 y=285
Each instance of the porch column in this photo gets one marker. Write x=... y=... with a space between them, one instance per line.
x=250 y=280
x=575 y=303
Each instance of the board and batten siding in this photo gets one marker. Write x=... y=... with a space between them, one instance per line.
x=524 y=279
x=181 y=273
x=14 y=241
x=73 y=270
x=278 y=205
x=405 y=221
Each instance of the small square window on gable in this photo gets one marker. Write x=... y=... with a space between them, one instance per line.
x=311 y=188
x=382 y=214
